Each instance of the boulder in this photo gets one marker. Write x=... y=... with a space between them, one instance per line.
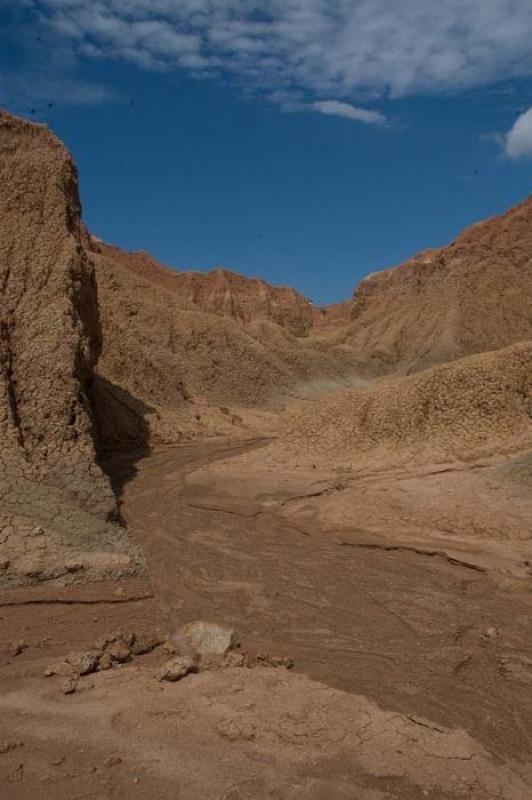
x=208 y=638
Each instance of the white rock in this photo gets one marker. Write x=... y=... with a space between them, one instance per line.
x=207 y=638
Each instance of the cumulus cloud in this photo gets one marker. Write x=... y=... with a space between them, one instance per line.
x=518 y=141
x=339 y=109
x=349 y=50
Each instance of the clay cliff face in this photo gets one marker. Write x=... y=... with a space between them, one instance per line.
x=50 y=324
x=162 y=351
x=469 y=297
x=49 y=344
x=170 y=339
x=222 y=292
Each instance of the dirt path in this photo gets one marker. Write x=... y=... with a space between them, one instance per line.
x=421 y=637
x=414 y=632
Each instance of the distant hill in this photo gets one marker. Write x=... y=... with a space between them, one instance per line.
x=471 y=296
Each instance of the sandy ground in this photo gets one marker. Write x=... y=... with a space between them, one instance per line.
x=413 y=667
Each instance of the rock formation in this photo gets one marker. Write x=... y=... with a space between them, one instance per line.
x=221 y=291
x=469 y=297
x=50 y=340
x=172 y=339
x=50 y=323
x=478 y=405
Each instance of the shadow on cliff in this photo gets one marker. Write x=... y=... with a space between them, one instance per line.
x=121 y=430
x=120 y=426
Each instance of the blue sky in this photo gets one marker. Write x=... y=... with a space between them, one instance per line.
x=305 y=141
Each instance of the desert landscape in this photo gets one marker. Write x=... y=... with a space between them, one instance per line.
x=252 y=547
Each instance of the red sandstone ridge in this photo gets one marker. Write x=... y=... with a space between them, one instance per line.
x=471 y=296
x=221 y=291
x=172 y=339
x=163 y=350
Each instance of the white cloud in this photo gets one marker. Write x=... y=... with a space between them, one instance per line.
x=349 y=50
x=338 y=109
x=518 y=141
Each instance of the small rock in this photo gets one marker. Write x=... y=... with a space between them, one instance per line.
x=101 y=644
x=106 y=662
x=118 y=651
x=57 y=761
x=234 y=659
x=208 y=638
x=4 y=564
x=60 y=668
x=282 y=661
x=84 y=663
x=177 y=668
x=145 y=643
x=112 y=761
x=70 y=685
x=38 y=531
x=125 y=636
